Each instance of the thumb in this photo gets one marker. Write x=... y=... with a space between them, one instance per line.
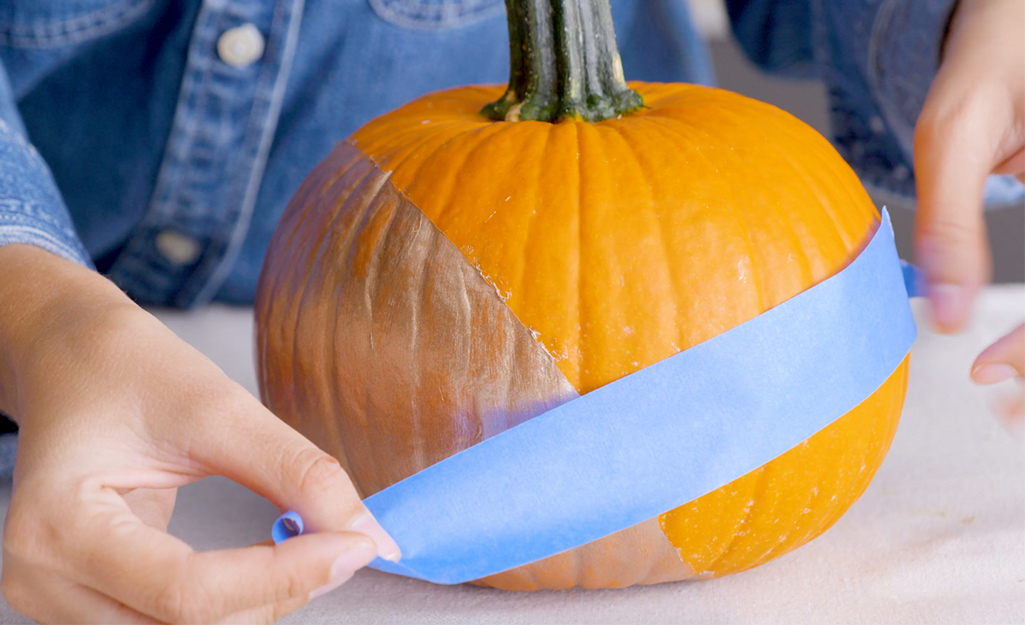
x=1002 y=360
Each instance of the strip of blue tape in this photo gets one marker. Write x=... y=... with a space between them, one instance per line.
x=660 y=437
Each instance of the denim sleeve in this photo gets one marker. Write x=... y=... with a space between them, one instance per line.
x=31 y=208
x=776 y=35
x=877 y=59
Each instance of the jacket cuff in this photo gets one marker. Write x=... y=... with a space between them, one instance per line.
x=31 y=208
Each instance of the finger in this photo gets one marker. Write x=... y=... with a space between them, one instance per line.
x=78 y=604
x=256 y=449
x=267 y=613
x=954 y=151
x=159 y=575
x=1002 y=360
x=275 y=612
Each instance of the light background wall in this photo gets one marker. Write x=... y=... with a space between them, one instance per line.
x=807 y=100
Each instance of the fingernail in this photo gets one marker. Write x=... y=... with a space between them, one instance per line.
x=993 y=373
x=949 y=305
x=342 y=570
x=386 y=547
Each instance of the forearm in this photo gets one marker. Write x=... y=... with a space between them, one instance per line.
x=43 y=299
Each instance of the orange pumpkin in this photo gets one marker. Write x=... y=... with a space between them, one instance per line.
x=443 y=276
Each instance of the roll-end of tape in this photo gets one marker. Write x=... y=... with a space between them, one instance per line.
x=914 y=281
x=288 y=525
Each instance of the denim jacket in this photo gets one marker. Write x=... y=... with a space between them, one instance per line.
x=159 y=140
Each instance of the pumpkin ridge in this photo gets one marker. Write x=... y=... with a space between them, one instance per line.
x=393 y=161
x=409 y=149
x=418 y=340
x=824 y=521
x=837 y=228
x=584 y=357
x=803 y=174
x=855 y=242
x=373 y=181
x=489 y=132
x=796 y=245
x=674 y=125
x=372 y=272
x=582 y=308
x=890 y=394
x=333 y=366
x=620 y=129
x=753 y=262
x=897 y=401
x=779 y=120
x=515 y=282
x=290 y=226
x=322 y=240
x=761 y=485
x=803 y=246
x=449 y=207
x=333 y=424
x=499 y=129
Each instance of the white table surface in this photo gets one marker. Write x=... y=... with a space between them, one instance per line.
x=938 y=537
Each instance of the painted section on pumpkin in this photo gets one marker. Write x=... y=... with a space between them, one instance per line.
x=387 y=302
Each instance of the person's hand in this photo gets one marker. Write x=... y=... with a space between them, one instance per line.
x=115 y=413
x=1001 y=361
x=972 y=124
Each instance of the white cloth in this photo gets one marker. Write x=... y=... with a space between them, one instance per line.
x=938 y=537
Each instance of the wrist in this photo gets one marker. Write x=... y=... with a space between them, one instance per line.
x=43 y=297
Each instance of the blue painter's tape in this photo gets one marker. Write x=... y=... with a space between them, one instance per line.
x=288 y=525
x=660 y=437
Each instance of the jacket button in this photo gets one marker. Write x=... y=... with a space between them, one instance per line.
x=240 y=46
x=177 y=248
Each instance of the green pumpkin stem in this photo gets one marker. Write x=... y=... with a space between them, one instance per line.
x=564 y=63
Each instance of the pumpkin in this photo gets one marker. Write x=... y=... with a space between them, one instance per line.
x=457 y=267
